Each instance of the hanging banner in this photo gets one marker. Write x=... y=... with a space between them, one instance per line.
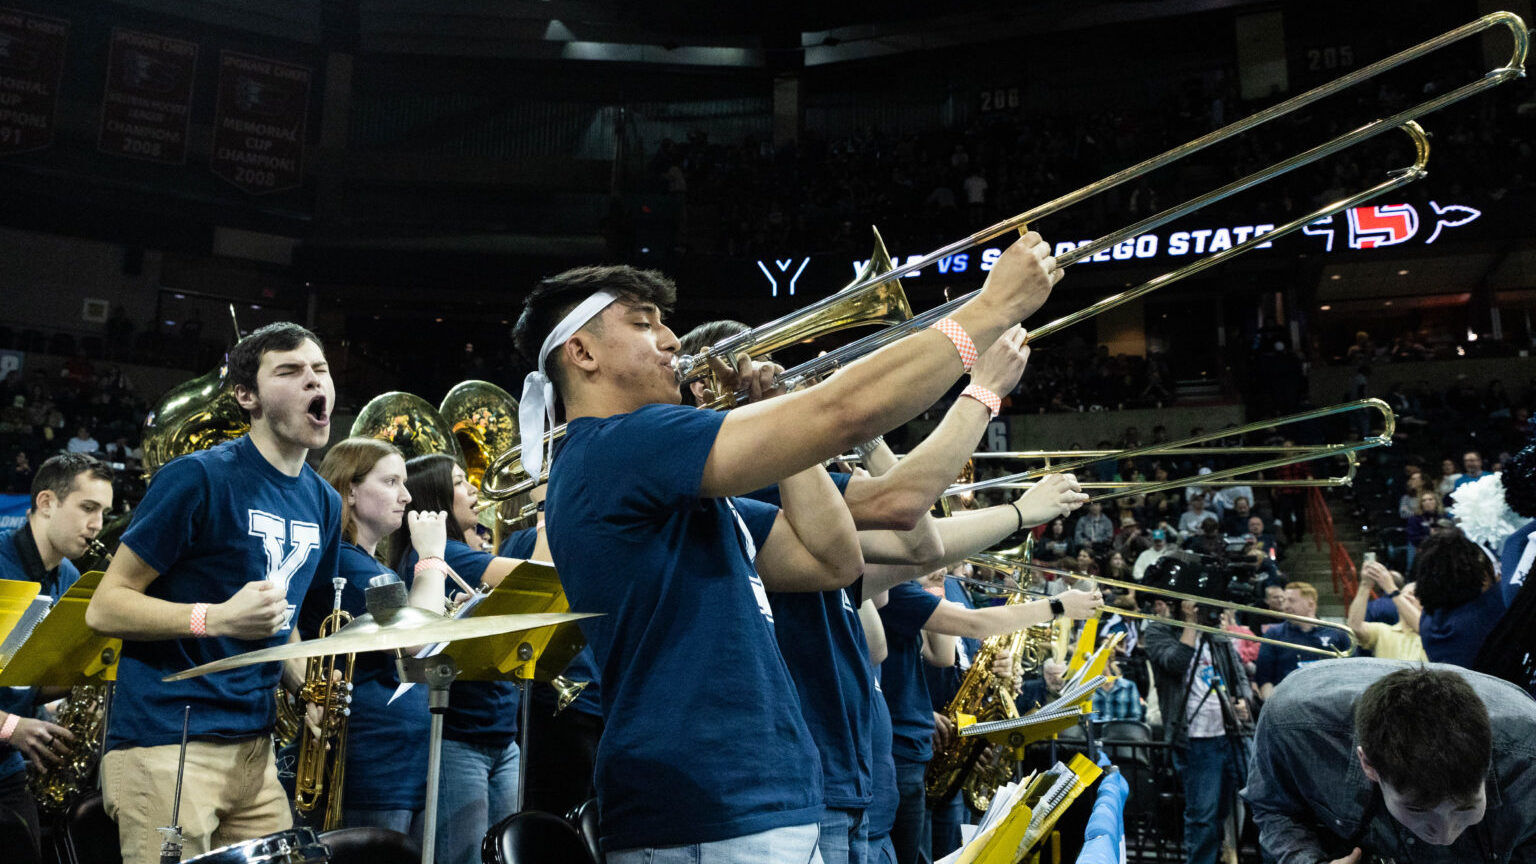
x=258 y=128
x=148 y=98
x=31 y=62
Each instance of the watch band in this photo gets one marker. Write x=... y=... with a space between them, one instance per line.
x=1056 y=608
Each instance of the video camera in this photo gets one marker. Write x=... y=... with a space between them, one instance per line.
x=1205 y=576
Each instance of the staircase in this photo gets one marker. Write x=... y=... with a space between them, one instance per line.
x=1332 y=535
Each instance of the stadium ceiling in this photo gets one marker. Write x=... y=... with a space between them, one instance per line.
x=774 y=34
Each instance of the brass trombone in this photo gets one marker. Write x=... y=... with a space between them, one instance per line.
x=1015 y=567
x=1226 y=476
x=692 y=367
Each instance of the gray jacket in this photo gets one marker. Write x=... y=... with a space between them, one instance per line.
x=1312 y=801
x=1170 y=662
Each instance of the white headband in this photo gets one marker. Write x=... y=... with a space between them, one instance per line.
x=536 y=413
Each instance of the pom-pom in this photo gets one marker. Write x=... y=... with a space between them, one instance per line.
x=1481 y=513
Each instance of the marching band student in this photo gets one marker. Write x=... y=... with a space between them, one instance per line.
x=219 y=556
x=642 y=481
x=70 y=494
x=386 y=765
x=480 y=751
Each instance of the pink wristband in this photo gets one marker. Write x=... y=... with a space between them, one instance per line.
x=986 y=397
x=961 y=339
x=9 y=727
x=433 y=563
x=199 y=623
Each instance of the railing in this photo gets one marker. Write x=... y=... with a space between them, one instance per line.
x=1320 y=523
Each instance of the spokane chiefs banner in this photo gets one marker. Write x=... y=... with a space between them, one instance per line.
x=258 y=130
x=148 y=98
x=31 y=61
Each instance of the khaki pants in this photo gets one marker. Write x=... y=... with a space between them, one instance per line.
x=229 y=794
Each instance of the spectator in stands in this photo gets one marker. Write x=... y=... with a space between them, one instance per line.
x=1247 y=649
x=1209 y=541
x=1274 y=596
x=1093 y=527
x=1130 y=540
x=1447 y=479
x=1276 y=663
x=1190 y=522
x=1085 y=563
x=1158 y=549
x=1267 y=542
x=1056 y=543
x=1408 y=502
x=19 y=481
x=1419 y=526
x=1161 y=506
x=83 y=442
x=1398 y=641
x=1457 y=588
x=1117 y=698
x=1224 y=499
x=1234 y=520
x=1472 y=469
x=1363 y=351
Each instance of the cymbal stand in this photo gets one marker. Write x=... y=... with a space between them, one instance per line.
x=170 y=849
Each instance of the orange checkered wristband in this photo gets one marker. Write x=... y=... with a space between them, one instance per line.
x=199 y=623
x=9 y=727
x=986 y=397
x=962 y=340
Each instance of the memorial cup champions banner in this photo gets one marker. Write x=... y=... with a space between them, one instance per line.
x=258 y=129
x=148 y=98
x=31 y=61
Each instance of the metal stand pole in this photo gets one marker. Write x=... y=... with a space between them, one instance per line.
x=438 y=673
x=524 y=684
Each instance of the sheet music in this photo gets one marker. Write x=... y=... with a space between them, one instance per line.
x=37 y=610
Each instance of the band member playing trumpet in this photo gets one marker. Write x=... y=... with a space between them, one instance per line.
x=480 y=751
x=642 y=481
x=70 y=495
x=1363 y=760
x=386 y=754
x=219 y=555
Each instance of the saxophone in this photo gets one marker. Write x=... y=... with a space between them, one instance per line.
x=83 y=712
x=321 y=767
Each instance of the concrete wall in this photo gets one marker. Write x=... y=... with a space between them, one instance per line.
x=45 y=280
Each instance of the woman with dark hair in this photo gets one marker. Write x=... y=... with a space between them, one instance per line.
x=386 y=765
x=1458 y=589
x=1055 y=543
x=480 y=753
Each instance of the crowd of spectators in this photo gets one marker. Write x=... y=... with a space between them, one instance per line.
x=86 y=408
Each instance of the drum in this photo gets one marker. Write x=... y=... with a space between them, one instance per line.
x=295 y=846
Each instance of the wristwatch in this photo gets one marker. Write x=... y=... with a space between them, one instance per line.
x=1056 y=608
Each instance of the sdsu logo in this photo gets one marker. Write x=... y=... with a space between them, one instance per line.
x=1389 y=224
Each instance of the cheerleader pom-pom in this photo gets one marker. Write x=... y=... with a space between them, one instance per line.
x=1520 y=481
x=1482 y=514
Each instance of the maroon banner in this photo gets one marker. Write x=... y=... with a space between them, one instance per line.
x=31 y=61
x=258 y=129
x=148 y=99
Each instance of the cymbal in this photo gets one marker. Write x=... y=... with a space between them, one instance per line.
x=406 y=627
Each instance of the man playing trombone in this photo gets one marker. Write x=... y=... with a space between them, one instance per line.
x=643 y=481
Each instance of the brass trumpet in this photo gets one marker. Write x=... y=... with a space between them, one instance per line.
x=1016 y=567
x=320 y=772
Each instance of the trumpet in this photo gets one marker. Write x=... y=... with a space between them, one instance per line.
x=691 y=368
x=1288 y=455
x=321 y=767
x=1016 y=568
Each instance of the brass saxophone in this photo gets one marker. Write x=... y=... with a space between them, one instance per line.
x=83 y=712
x=320 y=770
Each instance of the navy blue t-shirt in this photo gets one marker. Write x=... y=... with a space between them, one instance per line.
x=1456 y=635
x=15 y=562
x=209 y=523
x=479 y=712
x=386 y=742
x=880 y=815
x=704 y=738
x=944 y=681
x=901 y=675
x=1513 y=554
x=520 y=544
x=1275 y=662
x=823 y=644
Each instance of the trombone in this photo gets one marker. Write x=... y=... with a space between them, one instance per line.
x=1014 y=568
x=692 y=367
x=1289 y=455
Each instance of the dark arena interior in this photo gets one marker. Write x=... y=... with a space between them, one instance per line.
x=1086 y=431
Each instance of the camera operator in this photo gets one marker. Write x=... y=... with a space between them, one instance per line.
x=1204 y=695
